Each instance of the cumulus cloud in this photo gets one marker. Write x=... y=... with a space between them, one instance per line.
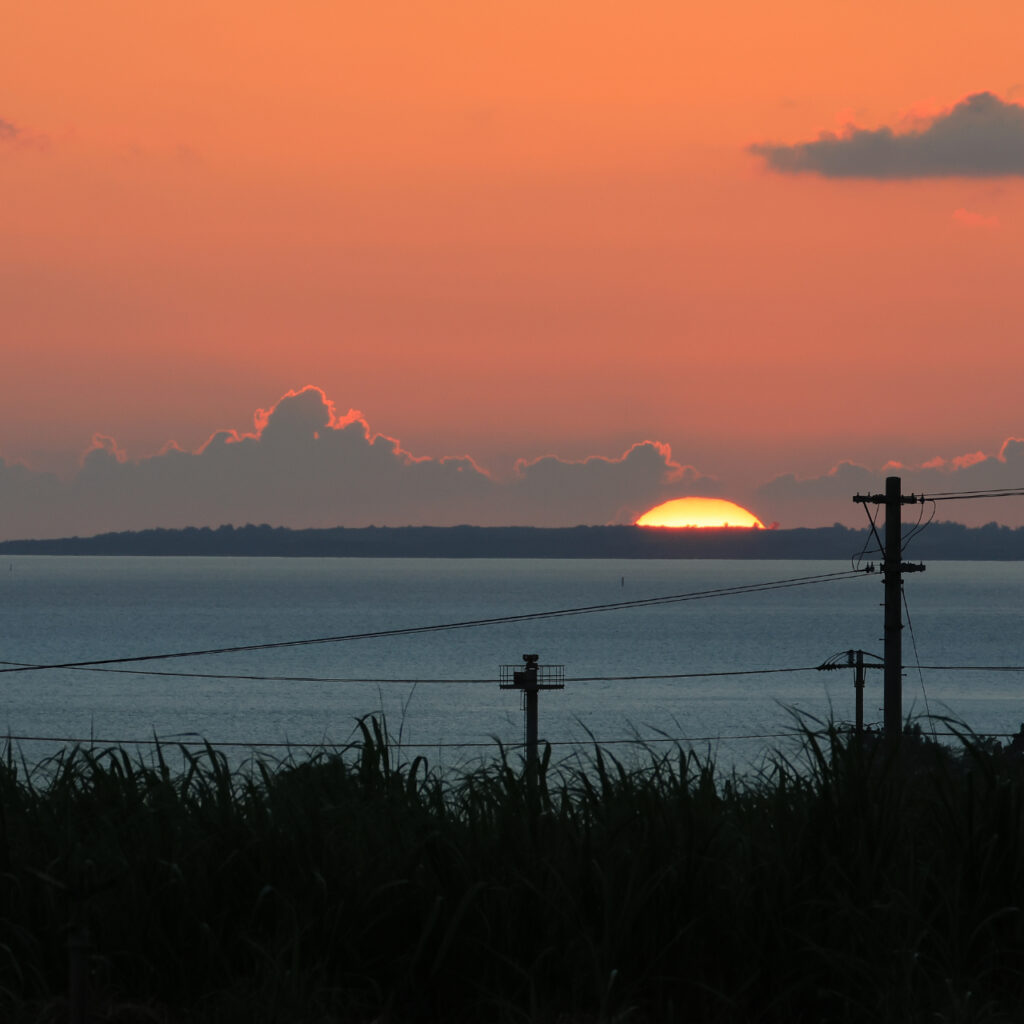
x=980 y=137
x=622 y=488
x=821 y=500
x=305 y=464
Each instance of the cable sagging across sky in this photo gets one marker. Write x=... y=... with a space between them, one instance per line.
x=755 y=588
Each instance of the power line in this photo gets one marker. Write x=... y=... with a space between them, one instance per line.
x=917 y=656
x=180 y=741
x=689 y=675
x=1006 y=492
x=973 y=668
x=833 y=662
x=411 y=681
x=855 y=562
x=921 y=525
x=796 y=581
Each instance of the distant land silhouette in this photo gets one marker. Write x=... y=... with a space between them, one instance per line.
x=937 y=541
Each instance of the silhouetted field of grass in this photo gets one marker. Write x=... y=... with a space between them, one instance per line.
x=845 y=881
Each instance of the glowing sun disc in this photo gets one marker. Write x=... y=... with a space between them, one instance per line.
x=699 y=512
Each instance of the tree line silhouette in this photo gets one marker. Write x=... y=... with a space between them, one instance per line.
x=939 y=541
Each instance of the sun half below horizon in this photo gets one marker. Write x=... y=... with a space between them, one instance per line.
x=701 y=513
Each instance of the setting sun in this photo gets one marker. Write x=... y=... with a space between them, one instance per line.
x=700 y=512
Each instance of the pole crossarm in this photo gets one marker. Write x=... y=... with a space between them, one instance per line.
x=881 y=499
x=854 y=660
x=833 y=663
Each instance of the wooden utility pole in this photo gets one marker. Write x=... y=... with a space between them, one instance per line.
x=893 y=568
x=893 y=582
x=854 y=660
x=858 y=686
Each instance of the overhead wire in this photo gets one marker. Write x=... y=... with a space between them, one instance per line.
x=973 y=668
x=796 y=581
x=410 y=680
x=917 y=657
x=920 y=526
x=855 y=562
x=186 y=740
x=991 y=492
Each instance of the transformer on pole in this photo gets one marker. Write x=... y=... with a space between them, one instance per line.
x=531 y=679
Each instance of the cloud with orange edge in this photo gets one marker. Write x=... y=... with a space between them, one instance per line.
x=305 y=464
x=801 y=501
x=107 y=445
x=577 y=487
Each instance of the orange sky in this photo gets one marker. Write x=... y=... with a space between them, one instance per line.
x=504 y=229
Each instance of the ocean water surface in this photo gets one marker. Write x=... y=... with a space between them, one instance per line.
x=439 y=690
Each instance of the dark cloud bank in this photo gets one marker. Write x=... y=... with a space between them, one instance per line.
x=306 y=466
x=830 y=495
x=982 y=136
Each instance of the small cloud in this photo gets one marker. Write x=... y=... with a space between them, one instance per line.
x=827 y=498
x=17 y=138
x=970 y=459
x=103 y=446
x=970 y=219
x=981 y=137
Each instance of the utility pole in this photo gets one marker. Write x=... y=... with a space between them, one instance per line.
x=858 y=686
x=531 y=679
x=893 y=568
x=854 y=660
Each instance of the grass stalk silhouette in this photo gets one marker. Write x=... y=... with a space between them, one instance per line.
x=845 y=880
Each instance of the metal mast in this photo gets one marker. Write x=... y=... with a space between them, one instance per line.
x=531 y=679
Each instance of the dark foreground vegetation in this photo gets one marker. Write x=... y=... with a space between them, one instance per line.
x=940 y=541
x=845 y=882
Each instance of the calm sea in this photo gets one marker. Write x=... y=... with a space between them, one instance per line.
x=57 y=610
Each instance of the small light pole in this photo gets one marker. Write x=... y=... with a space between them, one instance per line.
x=531 y=679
